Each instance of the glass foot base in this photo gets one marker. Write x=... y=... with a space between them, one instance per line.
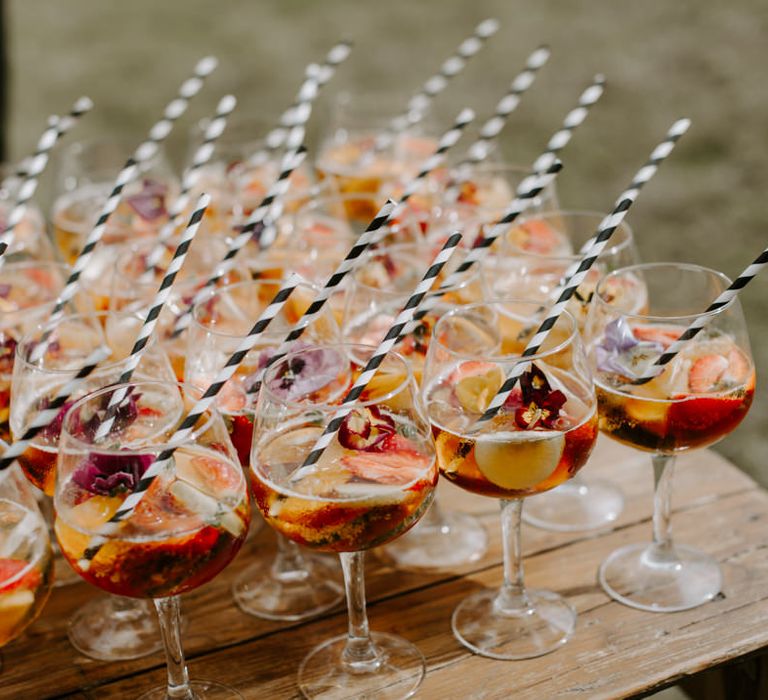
x=584 y=505
x=115 y=629
x=290 y=597
x=397 y=675
x=632 y=577
x=482 y=627
x=202 y=690
x=456 y=539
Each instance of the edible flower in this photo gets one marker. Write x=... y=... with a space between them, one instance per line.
x=149 y=203
x=366 y=429
x=541 y=405
x=5 y=290
x=111 y=474
x=301 y=376
x=620 y=352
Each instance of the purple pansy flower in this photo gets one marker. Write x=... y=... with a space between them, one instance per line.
x=149 y=203
x=302 y=376
x=620 y=352
x=108 y=475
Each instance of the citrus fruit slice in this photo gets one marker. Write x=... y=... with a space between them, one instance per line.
x=476 y=383
x=519 y=460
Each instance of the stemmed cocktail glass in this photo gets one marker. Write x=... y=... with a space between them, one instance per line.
x=542 y=435
x=189 y=525
x=374 y=481
x=702 y=394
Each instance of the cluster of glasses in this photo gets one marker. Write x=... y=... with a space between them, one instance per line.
x=373 y=487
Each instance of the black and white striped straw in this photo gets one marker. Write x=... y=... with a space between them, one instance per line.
x=153 y=315
x=526 y=193
x=187 y=425
x=725 y=298
x=604 y=231
x=420 y=102
x=344 y=268
x=572 y=121
x=291 y=161
x=44 y=417
x=316 y=76
x=490 y=130
x=213 y=130
x=382 y=350
x=145 y=151
x=34 y=167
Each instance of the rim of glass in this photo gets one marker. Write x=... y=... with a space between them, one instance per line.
x=515 y=358
x=691 y=267
x=467 y=277
x=277 y=283
x=41 y=327
x=578 y=213
x=21 y=264
x=324 y=405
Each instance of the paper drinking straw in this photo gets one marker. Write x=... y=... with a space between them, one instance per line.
x=57 y=127
x=480 y=149
x=604 y=231
x=153 y=315
x=188 y=423
x=420 y=102
x=46 y=415
x=526 y=192
x=290 y=162
x=202 y=155
x=146 y=150
x=699 y=322
x=344 y=268
x=381 y=351
x=315 y=78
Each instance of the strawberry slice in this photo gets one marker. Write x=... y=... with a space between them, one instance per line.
x=399 y=464
x=738 y=367
x=540 y=237
x=12 y=567
x=706 y=373
x=706 y=414
x=655 y=334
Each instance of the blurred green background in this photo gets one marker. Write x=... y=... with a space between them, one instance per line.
x=698 y=58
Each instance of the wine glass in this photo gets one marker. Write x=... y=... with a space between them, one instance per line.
x=30 y=240
x=190 y=523
x=26 y=564
x=542 y=435
x=700 y=397
x=104 y=628
x=380 y=287
x=536 y=252
x=373 y=482
x=296 y=585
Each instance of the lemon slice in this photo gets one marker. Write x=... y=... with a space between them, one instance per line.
x=479 y=385
x=519 y=460
x=14 y=606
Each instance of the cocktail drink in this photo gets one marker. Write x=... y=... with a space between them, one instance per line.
x=701 y=395
x=542 y=435
x=190 y=523
x=27 y=293
x=296 y=584
x=373 y=482
x=26 y=570
x=535 y=255
x=85 y=174
x=380 y=287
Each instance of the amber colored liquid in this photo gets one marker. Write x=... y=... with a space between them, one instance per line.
x=534 y=470
x=665 y=426
x=5 y=407
x=39 y=466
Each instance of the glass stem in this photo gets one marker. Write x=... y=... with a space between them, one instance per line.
x=289 y=564
x=169 y=613
x=434 y=516
x=662 y=550
x=360 y=654
x=512 y=598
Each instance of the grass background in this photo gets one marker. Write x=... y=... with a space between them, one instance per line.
x=698 y=58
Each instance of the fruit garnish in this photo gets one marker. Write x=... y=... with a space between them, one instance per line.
x=535 y=236
x=149 y=203
x=7 y=352
x=655 y=334
x=475 y=383
x=111 y=474
x=10 y=568
x=706 y=372
x=379 y=271
x=514 y=460
x=398 y=465
x=541 y=405
x=301 y=377
x=365 y=429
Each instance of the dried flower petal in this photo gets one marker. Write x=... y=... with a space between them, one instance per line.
x=5 y=290
x=301 y=376
x=108 y=475
x=149 y=203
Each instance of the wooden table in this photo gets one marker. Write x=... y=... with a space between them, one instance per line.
x=615 y=652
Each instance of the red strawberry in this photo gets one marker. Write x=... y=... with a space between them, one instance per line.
x=738 y=367
x=656 y=334
x=12 y=567
x=397 y=466
x=541 y=237
x=706 y=372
